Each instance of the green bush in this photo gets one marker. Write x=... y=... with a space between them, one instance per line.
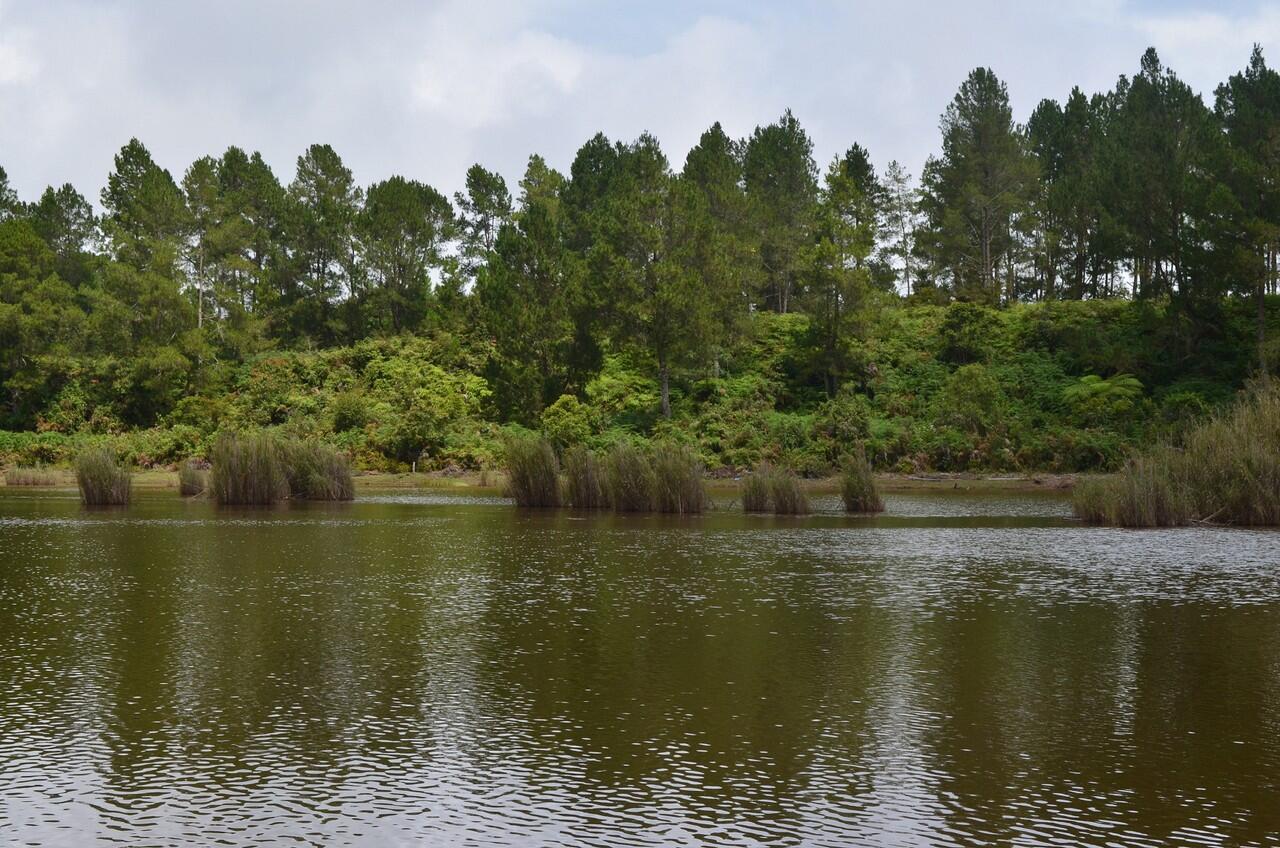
x=567 y=422
x=317 y=472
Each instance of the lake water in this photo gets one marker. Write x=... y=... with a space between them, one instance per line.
x=419 y=670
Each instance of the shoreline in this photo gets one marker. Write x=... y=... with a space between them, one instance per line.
x=490 y=482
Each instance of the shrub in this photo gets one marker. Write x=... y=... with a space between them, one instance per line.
x=629 y=478
x=20 y=476
x=192 y=479
x=533 y=474
x=567 y=421
x=317 y=472
x=677 y=473
x=247 y=470
x=858 y=485
x=584 y=479
x=101 y=479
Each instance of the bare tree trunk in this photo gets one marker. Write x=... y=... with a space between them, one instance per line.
x=664 y=373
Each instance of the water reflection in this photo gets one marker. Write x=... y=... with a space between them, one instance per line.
x=428 y=671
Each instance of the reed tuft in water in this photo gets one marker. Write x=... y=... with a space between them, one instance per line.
x=101 y=480
x=755 y=490
x=317 y=472
x=1226 y=471
x=677 y=474
x=584 y=479
x=629 y=478
x=776 y=490
x=247 y=470
x=22 y=476
x=533 y=473
x=858 y=485
x=192 y=479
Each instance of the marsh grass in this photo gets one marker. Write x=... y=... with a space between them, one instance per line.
x=776 y=490
x=584 y=479
x=787 y=493
x=23 y=476
x=247 y=470
x=755 y=490
x=858 y=485
x=533 y=473
x=317 y=472
x=1226 y=471
x=101 y=480
x=677 y=475
x=630 y=481
x=192 y=479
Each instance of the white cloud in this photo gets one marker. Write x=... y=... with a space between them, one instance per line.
x=427 y=89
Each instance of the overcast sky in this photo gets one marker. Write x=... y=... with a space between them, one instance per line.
x=425 y=89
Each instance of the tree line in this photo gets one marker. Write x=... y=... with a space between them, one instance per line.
x=1144 y=191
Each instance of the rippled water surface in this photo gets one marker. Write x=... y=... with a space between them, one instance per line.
x=411 y=670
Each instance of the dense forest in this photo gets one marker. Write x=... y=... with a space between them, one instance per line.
x=1046 y=295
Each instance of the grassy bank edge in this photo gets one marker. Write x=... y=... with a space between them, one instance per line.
x=491 y=483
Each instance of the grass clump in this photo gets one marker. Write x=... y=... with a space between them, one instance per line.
x=318 y=472
x=101 y=480
x=777 y=490
x=629 y=479
x=533 y=474
x=23 y=476
x=247 y=470
x=858 y=485
x=755 y=490
x=677 y=474
x=192 y=479
x=584 y=479
x=1226 y=471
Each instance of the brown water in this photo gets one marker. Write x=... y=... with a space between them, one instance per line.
x=426 y=671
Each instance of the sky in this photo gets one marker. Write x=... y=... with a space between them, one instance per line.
x=425 y=89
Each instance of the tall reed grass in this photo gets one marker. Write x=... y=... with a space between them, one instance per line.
x=247 y=470
x=533 y=473
x=677 y=476
x=1225 y=471
x=629 y=478
x=317 y=472
x=584 y=479
x=101 y=480
x=192 y=479
x=21 y=476
x=776 y=490
x=858 y=485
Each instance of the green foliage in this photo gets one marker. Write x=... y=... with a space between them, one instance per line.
x=973 y=400
x=567 y=422
x=1227 y=471
x=1096 y=401
x=101 y=480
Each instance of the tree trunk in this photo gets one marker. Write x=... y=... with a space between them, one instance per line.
x=664 y=374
